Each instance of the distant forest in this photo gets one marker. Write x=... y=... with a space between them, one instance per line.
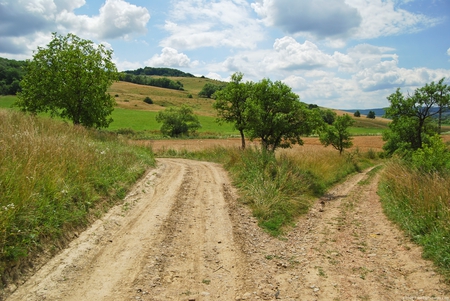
x=142 y=76
x=11 y=73
x=159 y=72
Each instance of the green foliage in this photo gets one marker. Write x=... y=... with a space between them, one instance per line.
x=148 y=100
x=209 y=89
x=434 y=156
x=177 y=122
x=162 y=82
x=412 y=117
x=231 y=104
x=371 y=115
x=11 y=73
x=277 y=117
x=69 y=78
x=159 y=72
x=53 y=177
x=328 y=116
x=338 y=134
x=357 y=113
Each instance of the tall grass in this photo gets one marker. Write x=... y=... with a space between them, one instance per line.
x=420 y=203
x=53 y=177
x=280 y=188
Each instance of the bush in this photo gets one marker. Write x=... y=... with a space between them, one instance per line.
x=432 y=157
x=177 y=122
x=148 y=100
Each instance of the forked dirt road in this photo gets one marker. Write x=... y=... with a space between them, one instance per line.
x=182 y=235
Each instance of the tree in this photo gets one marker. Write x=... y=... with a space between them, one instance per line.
x=357 y=113
x=177 y=122
x=337 y=134
x=69 y=78
x=209 y=89
x=411 y=116
x=328 y=116
x=231 y=103
x=371 y=115
x=277 y=117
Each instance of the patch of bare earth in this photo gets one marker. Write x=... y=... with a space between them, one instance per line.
x=182 y=235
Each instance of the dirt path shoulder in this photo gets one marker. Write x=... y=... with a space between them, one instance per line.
x=182 y=235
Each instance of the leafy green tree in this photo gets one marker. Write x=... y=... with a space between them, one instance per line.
x=277 y=117
x=209 y=89
x=357 y=113
x=69 y=78
x=338 y=134
x=440 y=92
x=412 y=116
x=328 y=116
x=371 y=115
x=231 y=104
x=177 y=122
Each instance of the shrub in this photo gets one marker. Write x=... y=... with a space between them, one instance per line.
x=148 y=100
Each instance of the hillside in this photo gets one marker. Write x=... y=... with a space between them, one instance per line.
x=131 y=97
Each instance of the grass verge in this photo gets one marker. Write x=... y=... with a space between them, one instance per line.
x=53 y=178
x=420 y=204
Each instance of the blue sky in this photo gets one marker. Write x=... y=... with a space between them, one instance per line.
x=343 y=54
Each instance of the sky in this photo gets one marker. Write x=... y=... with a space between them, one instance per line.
x=340 y=54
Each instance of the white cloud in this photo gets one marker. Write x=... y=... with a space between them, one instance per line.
x=24 y=22
x=170 y=57
x=202 y=23
x=321 y=18
x=337 y=21
x=448 y=51
x=291 y=55
x=385 y=18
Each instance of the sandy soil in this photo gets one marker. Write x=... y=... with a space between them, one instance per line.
x=182 y=235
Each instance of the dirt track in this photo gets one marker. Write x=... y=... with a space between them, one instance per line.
x=181 y=235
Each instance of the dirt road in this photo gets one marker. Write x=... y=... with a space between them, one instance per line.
x=182 y=235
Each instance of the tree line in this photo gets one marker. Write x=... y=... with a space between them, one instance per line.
x=11 y=73
x=159 y=72
x=162 y=82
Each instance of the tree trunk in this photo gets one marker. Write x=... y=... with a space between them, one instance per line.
x=242 y=139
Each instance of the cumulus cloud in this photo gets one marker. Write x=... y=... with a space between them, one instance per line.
x=203 y=23
x=24 y=22
x=339 y=20
x=385 y=18
x=291 y=55
x=321 y=18
x=170 y=57
x=448 y=51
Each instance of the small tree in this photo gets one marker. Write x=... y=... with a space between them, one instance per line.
x=412 y=115
x=177 y=122
x=371 y=115
x=328 y=116
x=337 y=134
x=209 y=89
x=231 y=103
x=277 y=117
x=70 y=78
x=357 y=113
